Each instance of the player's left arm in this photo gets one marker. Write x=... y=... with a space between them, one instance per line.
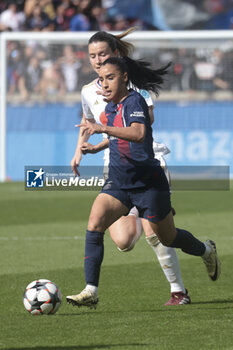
x=135 y=132
x=151 y=114
x=149 y=101
x=89 y=148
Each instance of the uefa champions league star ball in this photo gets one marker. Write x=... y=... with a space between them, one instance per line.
x=42 y=297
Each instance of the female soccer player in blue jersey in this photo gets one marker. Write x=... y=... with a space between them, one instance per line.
x=127 y=230
x=135 y=176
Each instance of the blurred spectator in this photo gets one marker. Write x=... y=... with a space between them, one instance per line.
x=182 y=69
x=203 y=75
x=213 y=6
x=108 y=3
x=95 y=13
x=86 y=73
x=64 y=12
x=52 y=82
x=28 y=51
x=38 y=20
x=223 y=78
x=221 y=14
x=42 y=56
x=98 y=18
x=63 y=17
x=16 y=74
x=182 y=14
x=48 y=8
x=12 y=19
x=3 y=5
x=81 y=21
x=69 y=68
x=121 y=23
x=33 y=76
x=29 y=6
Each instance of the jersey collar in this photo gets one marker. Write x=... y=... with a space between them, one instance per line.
x=97 y=82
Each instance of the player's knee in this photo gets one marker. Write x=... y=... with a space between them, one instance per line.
x=126 y=247
x=124 y=243
x=94 y=224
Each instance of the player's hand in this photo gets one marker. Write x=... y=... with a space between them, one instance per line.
x=91 y=128
x=87 y=148
x=74 y=165
x=102 y=93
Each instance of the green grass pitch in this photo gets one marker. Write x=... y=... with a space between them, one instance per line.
x=42 y=236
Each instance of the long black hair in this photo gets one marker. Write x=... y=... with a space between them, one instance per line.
x=139 y=73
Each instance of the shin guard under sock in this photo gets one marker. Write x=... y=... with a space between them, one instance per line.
x=94 y=252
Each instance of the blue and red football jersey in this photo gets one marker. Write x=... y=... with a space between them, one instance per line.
x=131 y=164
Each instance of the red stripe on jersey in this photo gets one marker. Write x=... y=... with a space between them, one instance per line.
x=123 y=146
x=103 y=119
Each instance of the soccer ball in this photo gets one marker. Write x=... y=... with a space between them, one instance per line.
x=42 y=297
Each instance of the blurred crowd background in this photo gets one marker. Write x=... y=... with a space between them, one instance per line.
x=37 y=70
x=57 y=71
x=88 y=15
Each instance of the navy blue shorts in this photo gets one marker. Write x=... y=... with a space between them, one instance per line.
x=152 y=203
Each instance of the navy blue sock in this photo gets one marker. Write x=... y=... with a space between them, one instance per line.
x=188 y=243
x=94 y=253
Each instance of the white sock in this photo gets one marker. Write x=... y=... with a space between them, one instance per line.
x=139 y=228
x=92 y=289
x=169 y=262
x=207 y=251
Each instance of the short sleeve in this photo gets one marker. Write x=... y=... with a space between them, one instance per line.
x=86 y=110
x=147 y=96
x=136 y=112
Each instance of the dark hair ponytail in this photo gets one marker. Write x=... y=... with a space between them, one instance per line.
x=114 y=41
x=140 y=74
x=144 y=77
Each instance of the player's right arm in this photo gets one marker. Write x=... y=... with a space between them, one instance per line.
x=82 y=138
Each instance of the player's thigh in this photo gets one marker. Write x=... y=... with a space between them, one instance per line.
x=165 y=229
x=105 y=210
x=123 y=230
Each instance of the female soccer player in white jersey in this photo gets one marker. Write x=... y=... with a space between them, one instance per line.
x=135 y=176
x=127 y=230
